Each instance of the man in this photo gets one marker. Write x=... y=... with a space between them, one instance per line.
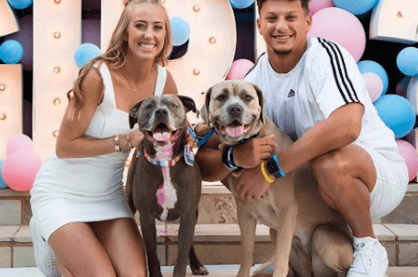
x=315 y=93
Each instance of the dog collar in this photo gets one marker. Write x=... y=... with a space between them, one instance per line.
x=241 y=141
x=170 y=162
x=203 y=140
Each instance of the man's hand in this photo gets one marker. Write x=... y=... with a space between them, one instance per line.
x=252 y=184
x=254 y=151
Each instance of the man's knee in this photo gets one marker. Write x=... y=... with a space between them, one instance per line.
x=330 y=166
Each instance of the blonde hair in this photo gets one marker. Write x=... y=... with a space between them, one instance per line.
x=118 y=48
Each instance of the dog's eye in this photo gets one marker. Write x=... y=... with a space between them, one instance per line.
x=149 y=106
x=248 y=98
x=220 y=97
x=174 y=106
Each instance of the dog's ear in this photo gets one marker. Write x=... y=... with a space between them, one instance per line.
x=133 y=114
x=204 y=111
x=188 y=103
x=261 y=101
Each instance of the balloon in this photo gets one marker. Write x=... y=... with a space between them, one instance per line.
x=317 y=5
x=11 y=51
x=356 y=7
x=340 y=26
x=376 y=78
x=239 y=68
x=180 y=30
x=3 y=184
x=20 y=169
x=241 y=4
x=409 y=154
x=25 y=37
x=20 y=4
x=84 y=53
x=407 y=61
x=18 y=142
x=397 y=113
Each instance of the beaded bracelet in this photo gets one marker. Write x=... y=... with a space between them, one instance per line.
x=129 y=141
x=117 y=145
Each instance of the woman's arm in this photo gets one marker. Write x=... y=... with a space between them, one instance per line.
x=70 y=141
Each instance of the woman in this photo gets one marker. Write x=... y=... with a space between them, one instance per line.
x=78 y=202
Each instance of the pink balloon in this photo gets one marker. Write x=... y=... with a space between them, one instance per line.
x=20 y=169
x=374 y=85
x=409 y=153
x=18 y=142
x=340 y=26
x=317 y=5
x=239 y=68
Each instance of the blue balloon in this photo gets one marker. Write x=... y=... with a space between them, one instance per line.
x=20 y=4
x=407 y=61
x=85 y=53
x=374 y=67
x=241 y=4
x=397 y=113
x=356 y=7
x=2 y=182
x=180 y=30
x=11 y=51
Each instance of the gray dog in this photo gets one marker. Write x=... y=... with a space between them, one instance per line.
x=166 y=182
x=309 y=235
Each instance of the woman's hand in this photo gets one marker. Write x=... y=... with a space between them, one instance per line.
x=131 y=140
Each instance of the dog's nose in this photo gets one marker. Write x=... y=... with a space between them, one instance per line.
x=161 y=113
x=235 y=109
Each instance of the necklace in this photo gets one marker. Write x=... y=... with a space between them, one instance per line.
x=135 y=88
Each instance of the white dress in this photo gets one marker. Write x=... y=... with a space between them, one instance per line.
x=87 y=189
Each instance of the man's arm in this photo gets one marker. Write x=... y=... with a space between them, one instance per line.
x=340 y=129
x=247 y=155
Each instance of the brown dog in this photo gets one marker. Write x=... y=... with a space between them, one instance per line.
x=291 y=207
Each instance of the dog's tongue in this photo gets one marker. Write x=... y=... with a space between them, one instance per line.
x=161 y=136
x=235 y=131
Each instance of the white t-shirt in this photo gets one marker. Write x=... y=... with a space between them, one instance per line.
x=326 y=78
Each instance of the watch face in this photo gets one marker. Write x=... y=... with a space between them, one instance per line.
x=272 y=167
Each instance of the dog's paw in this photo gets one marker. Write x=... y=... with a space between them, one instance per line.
x=200 y=270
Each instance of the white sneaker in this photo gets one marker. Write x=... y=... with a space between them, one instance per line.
x=370 y=258
x=44 y=255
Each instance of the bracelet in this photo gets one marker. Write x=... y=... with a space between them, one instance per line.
x=228 y=159
x=117 y=145
x=129 y=141
x=268 y=179
x=278 y=165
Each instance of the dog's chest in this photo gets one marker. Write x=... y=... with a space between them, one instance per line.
x=166 y=193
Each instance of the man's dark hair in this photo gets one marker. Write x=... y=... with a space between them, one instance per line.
x=304 y=3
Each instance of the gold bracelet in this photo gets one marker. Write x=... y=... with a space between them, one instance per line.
x=129 y=141
x=268 y=179
x=117 y=145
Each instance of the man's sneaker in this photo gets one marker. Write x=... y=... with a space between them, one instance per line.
x=44 y=256
x=370 y=258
